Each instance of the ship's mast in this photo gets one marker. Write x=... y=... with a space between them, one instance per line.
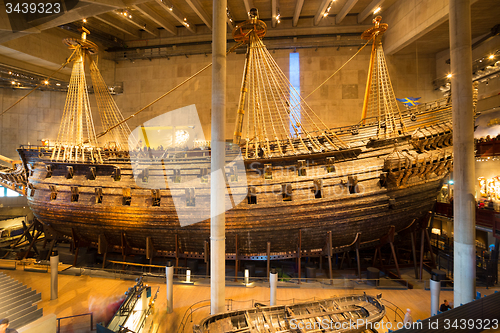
x=279 y=122
x=380 y=101
x=76 y=132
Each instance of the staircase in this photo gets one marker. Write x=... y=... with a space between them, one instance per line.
x=17 y=302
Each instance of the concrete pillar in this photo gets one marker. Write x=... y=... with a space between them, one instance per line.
x=169 y=270
x=218 y=183
x=435 y=290
x=273 y=281
x=463 y=151
x=54 y=266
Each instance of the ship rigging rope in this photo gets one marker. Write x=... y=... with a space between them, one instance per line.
x=165 y=94
x=46 y=79
x=338 y=70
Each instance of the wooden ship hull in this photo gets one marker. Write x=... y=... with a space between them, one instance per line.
x=304 y=190
x=351 y=314
x=366 y=192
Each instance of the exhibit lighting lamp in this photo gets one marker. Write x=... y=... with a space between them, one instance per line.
x=84 y=20
x=13 y=82
x=188 y=275
x=247 y=275
x=491 y=56
x=449 y=76
x=451 y=182
x=46 y=82
x=378 y=9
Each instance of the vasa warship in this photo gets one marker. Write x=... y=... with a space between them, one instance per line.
x=295 y=185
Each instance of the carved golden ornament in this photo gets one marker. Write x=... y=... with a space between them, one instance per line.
x=377 y=30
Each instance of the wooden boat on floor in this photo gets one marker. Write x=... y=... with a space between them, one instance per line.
x=356 y=313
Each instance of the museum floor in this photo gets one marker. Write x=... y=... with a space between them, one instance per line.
x=83 y=294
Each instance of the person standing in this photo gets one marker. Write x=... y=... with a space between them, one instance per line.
x=408 y=319
x=4 y=324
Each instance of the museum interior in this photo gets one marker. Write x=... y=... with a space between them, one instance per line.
x=249 y=165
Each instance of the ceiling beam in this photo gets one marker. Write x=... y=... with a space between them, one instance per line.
x=321 y=10
x=345 y=10
x=274 y=12
x=248 y=5
x=118 y=24
x=369 y=10
x=176 y=14
x=229 y=20
x=147 y=11
x=200 y=11
x=296 y=13
x=133 y=21
x=117 y=4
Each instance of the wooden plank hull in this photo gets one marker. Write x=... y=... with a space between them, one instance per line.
x=365 y=191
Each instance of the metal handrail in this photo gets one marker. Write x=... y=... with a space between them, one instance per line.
x=395 y=311
x=78 y=315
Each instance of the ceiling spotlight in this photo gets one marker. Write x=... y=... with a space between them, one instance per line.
x=13 y=82
x=449 y=76
x=185 y=19
x=124 y=13
x=46 y=82
x=10 y=72
x=171 y=8
x=130 y=16
x=491 y=56
x=278 y=21
x=58 y=84
x=378 y=9
x=325 y=14
x=84 y=20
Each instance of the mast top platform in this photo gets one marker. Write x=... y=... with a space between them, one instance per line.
x=85 y=44
x=242 y=32
x=377 y=30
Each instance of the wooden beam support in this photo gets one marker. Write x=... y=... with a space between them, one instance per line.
x=176 y=14
x=200 y=11
x=329 y=242
x=51 y=247
x=102 y=248
x=150 y=250
x=422 y=254
x=124 y=245
x=414 y=252
x=117 y=24
x=26 y=234
x=274 y=12
x=395 y=259
x=32 y=243
x=268 y=259
x=321 y=10
x=236 y=258
x=299 y=253
x=345 y=10
x=369 y=10
x=296 y=13
x=176 y=250
x=248 y=5
x=207 y=255
x=147 y=11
